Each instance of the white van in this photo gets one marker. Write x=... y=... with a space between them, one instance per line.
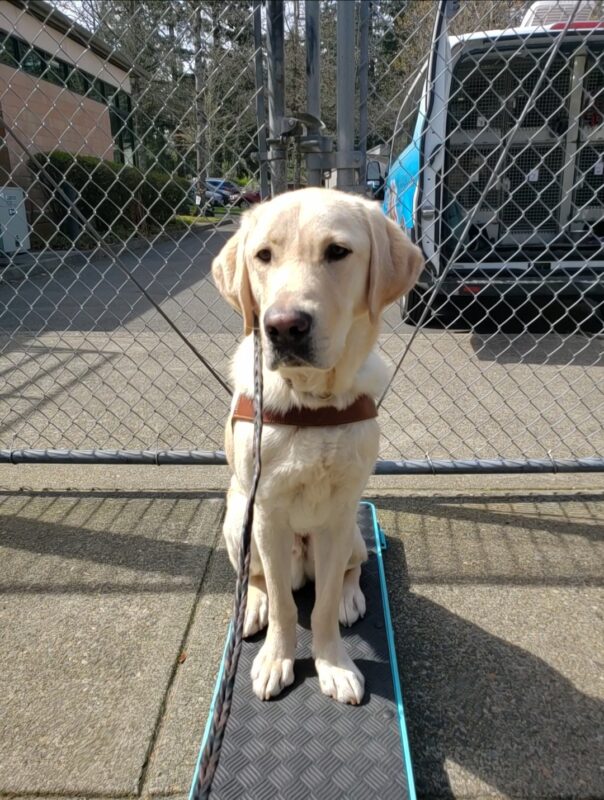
x=539 y=230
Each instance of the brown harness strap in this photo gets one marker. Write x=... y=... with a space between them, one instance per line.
x=363 y=408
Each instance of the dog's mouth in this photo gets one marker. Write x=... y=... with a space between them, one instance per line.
x=301 y=357
x=310 y=354
x=289 y=336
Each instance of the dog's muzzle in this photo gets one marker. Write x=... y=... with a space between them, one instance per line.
x=289 y=332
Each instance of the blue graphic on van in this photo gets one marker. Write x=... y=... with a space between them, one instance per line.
x=402 y=183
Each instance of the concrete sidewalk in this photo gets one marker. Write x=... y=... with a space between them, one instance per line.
x=115 y=601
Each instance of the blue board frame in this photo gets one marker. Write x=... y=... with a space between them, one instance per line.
x=380 y=547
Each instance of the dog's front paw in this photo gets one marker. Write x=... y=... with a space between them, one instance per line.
x=344 y=683
x=256 y=612
x=271 y=673
x=352 y=604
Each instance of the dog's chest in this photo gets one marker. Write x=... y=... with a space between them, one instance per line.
x=307 y=470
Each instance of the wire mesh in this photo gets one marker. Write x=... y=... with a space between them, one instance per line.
x=510 y=358
x=144 y=114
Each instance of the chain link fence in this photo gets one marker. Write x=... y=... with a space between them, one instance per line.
x=133 y=136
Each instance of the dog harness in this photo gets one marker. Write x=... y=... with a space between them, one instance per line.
x=363 y=408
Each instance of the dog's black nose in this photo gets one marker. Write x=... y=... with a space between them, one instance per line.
x=287 y=327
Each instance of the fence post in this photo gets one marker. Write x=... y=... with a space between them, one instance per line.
x=260 y=104
x=276 y=93
x=346 y=173
x=313 y=80
x=363 y=86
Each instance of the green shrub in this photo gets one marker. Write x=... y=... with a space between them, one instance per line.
x=247 y=182
x=163 y=196
x=112 y=197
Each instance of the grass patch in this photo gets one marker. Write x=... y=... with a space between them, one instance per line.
x=189 y=220
x=217 y=215
x=221 y=212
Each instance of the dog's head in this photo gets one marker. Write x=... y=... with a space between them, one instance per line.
x=309 y=264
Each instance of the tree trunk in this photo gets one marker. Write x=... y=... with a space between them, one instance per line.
x=296 y=92
x=212 y=117
x=201 y=155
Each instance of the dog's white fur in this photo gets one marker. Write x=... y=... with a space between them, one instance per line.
x=312 y=478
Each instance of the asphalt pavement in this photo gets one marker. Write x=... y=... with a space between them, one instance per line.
x=89 y=362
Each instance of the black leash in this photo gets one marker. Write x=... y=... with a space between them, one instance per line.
x=222 y=707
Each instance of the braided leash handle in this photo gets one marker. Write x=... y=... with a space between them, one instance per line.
x=222 y=708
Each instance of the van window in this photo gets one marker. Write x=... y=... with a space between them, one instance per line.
x=407 y=118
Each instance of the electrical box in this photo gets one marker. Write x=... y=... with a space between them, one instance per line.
x=14 y=229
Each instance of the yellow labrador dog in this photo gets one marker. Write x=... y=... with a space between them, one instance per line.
x=317 y=267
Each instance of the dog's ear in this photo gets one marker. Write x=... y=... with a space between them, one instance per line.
x=230 y=273
x=395 y=265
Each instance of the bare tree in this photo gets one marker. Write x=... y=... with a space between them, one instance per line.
x=201 y=158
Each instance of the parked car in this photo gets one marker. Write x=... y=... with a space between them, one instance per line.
x=209 y=198
x=235 y=195
x=539 y=232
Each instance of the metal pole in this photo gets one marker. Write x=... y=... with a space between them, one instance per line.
x=276 y=93
x=313 y=80
x=346 y=176
x=363 y=85
x=260 y=105
x=436 y=466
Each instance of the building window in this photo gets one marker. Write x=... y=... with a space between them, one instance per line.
x=8 y=52
x=98 y=89
x=76 y=81
x=56 y=71
x=33 y=63
x=17 y=53
x=121 y=128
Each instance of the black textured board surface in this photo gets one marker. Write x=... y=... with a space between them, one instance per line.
x=303 y=744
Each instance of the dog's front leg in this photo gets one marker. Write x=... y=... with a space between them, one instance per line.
x=338 y=675
x=273 y=667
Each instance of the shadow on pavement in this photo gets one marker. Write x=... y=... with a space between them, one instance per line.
x=552 y=348
x=98 y=296
x=112 y=543
x=499 y=712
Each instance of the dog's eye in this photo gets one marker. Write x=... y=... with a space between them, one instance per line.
x=336 y=253
x=264 y=255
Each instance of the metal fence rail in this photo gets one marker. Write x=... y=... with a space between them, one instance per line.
x=490 y=149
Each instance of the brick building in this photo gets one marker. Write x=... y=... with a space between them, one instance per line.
x=61 y=87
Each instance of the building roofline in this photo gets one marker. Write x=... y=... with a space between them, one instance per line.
x=62 y=23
